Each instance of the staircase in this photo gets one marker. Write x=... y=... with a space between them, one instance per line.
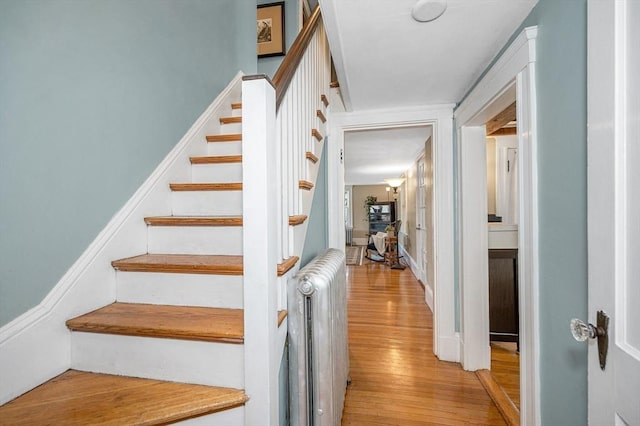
x=188 y=326
x=177 y=325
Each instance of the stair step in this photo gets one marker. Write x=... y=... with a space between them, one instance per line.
x=321 y=116
x=164 y=321
x=297 y=219
x=192 y=202
x=232 y=186
x=77 y=397
x=194 y=221
x=237 y=105
x=220 y=291
x=216 y=159
x=230 y=120
x=181 y=263
x=216 y=168
x=305 y=184
x=231 y=137
x=286 y=265
x=316 y=134
x=324 y=100
x=194 y=239
x=312 y=157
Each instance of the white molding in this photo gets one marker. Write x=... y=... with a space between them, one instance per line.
x=514 y=70
x=90 y=281
x=474 y=246
x=521 y=52
x=262 y=351
x=428 y=291
x=440 y=117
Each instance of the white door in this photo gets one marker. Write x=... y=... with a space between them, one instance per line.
x=614 y=206
x=421 y=218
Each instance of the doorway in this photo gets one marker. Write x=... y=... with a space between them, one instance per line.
x=446 y=342
x=511 y=77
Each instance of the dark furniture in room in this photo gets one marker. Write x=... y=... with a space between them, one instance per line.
x=503 y=295
x=380 y=215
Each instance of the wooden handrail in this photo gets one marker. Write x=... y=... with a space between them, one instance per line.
x=288 y=67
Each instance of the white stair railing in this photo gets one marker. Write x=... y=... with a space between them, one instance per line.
x=279 y=120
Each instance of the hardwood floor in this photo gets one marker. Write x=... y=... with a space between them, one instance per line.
x=505 y=368
x=396 y=379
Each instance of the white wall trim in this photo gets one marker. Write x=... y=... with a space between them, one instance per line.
x=440 y=117
x=90 y=281
x=428 y=291
x=474 y=249
x=262 y=348
x=514 y=70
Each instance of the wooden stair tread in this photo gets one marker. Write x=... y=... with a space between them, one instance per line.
x=231 y=137
x=233 y=186
x=182 y=263
x=77 y=397
x=305 y=184
x=286 y=265
x=216 y=159
x=316 y=134
x=281 y=316
x=312 y=157
x=174 y=322
x=297 y=219
x=230 y=120
x=194 y=221
x=237 y=105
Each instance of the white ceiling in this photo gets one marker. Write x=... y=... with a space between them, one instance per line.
x=370 y=156
x=385 y=59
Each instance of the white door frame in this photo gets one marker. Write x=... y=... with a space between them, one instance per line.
x=514 y=70
x=446 y=342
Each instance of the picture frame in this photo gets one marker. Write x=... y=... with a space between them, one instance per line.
x=270 y=30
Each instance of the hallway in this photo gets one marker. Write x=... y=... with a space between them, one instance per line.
x=396 y=379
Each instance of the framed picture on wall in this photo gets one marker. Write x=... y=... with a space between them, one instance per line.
x=270 y=29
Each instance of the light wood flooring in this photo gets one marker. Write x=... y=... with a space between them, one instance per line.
x=396 y=379
x=505 y=368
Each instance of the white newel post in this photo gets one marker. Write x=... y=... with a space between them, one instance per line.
x=261 y=356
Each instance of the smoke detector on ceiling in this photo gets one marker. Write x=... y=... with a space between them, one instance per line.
x=428 y=10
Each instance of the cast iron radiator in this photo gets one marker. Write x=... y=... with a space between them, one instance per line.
x=318 y=345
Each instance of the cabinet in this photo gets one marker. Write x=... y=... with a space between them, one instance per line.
x=381 y=215
x=503 y=295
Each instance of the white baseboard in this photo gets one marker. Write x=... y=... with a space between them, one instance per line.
x=36 y=346
x=428 y=290
x=449 y=348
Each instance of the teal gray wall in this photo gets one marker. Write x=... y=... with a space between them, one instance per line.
x=93 y=95
x=562 y=190
x=318 y=229
x=269 y=66
x=562 y=183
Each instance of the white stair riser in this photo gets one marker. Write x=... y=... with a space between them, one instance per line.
x=221 y=173
x=299 y=233
x=206 y=203
x=214 y=291
x=236 y=112
x=224 y=148
x=231 y=417
x=226 y=129
x=195 y=240
x=186 y=361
